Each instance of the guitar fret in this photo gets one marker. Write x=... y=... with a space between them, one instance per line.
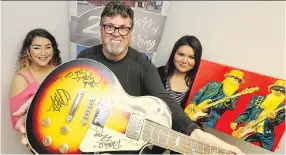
x=206 y=148
x=214 y=150
x=159 y=135
x=200 y=147
x=182 y=143
x=151 y=134
x=168 y=136
x=156 y=136
x=175 y=139
x=171 y=142
x=194 y=147
x=146 y=133
x=187 y=149
x=164 y=137
x=221 y=151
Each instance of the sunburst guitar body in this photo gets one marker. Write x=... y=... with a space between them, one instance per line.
x=81 y=107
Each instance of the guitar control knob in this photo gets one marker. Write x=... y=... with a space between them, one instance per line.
x=65 y=129
x=46 y=122
x=47 y=141
x=63 y=148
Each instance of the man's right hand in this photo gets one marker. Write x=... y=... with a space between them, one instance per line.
x=21 y=114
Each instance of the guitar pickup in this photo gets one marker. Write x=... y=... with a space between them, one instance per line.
x=135 y=126
x=75 y=105
x=88 y=109
x=101 y=114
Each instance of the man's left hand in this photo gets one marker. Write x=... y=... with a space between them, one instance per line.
x=272 y=115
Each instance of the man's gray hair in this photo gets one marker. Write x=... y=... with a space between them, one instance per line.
x=115 y=8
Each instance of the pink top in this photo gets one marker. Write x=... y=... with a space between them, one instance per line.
x=18 y=100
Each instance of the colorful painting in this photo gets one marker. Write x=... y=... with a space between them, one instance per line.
x=244 y=104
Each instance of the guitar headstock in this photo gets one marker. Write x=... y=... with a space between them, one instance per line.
x=250 y=90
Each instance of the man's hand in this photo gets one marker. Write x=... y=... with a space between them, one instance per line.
x=208 y=138
x=205 y=110
x=20 y=125
x=226 y=99
x=272 y=115
x=233 y=125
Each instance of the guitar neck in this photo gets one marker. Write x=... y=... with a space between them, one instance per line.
x=265 y=117
x=175 y=141
x=222 y=100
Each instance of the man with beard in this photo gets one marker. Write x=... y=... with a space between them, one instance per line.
x=259 y=107
x=214 y=91
x=136 y=73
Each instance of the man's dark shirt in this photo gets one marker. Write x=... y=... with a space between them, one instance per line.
x=138 y=77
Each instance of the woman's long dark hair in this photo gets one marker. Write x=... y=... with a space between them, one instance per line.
x=195 y=44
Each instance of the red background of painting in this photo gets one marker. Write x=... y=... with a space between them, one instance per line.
x=213 y=71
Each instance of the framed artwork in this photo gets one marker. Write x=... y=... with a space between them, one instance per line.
x=241 y=103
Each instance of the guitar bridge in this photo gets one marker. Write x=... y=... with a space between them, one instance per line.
x=135 y=126
x=88 y=109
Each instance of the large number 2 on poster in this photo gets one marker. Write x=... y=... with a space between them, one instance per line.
x=90 y=29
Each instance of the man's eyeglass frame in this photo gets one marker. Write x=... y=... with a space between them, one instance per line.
x=116 y=28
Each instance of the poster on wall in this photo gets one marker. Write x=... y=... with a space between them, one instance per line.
x=149 y=21
x=244 y=104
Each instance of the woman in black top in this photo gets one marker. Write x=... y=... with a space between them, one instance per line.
x=180 y=71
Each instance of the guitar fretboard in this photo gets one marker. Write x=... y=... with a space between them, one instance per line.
x=178 y=142
x=265 y=116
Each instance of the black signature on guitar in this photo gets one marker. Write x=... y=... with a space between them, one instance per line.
x=59 y=99
x=106 y=141
x=83 y=76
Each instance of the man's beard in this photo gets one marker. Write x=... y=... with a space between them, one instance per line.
x=114 y=48
x=272 y=101
x=229 y=88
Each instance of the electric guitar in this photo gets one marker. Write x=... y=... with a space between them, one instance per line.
x=244 y=132
x=195 y=112
x=81 y=108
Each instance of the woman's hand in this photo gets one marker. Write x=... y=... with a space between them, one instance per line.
x=20 y=125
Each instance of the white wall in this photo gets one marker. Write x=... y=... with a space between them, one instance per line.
x=18 y=18
x=247 y=35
